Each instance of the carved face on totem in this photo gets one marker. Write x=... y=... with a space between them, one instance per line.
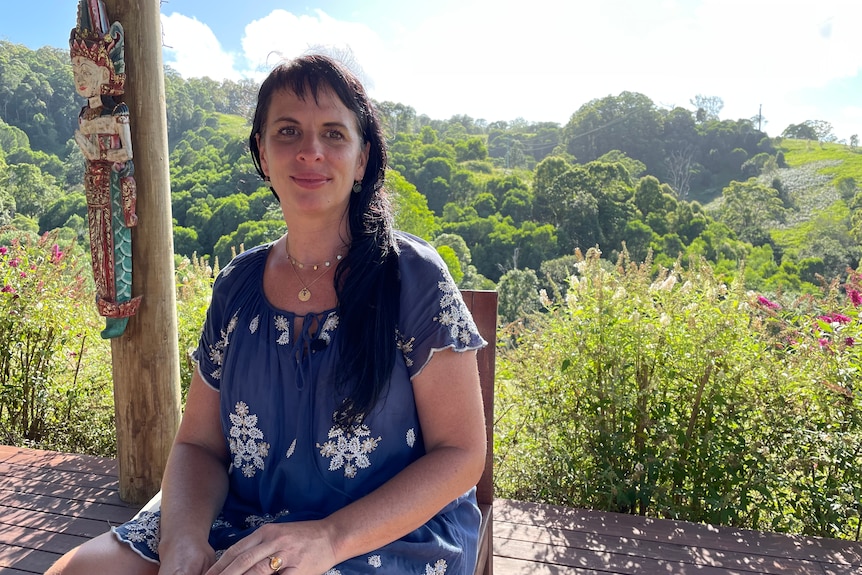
x=89 y=76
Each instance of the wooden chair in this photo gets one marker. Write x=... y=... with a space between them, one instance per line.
x=483 y=306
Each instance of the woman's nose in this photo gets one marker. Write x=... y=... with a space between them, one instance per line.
x=310 y=149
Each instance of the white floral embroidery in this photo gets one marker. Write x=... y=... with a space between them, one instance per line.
x=282 y=325
x=454 y=313
x=329 y=326
x=143 y=529
x=438 y=569
x=411 y=437
x=406 y=347
x=333 y=571
x=374 y=561
x=245 y=445
x=225 y=271
x=252 y=327
x=220 y=523
x=291 y=449
x=258 y=520
x=217 y=351
x=349 y=449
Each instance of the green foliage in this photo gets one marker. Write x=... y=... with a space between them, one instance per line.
x=194 y=279
x=518 y=295
x=451 y=260
x=49 y=394
x=748 y=209
x=411 y=208
x=679 y=396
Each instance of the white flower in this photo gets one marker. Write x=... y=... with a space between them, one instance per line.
x=411 y=437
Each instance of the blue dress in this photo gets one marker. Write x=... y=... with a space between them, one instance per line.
x=289 y=461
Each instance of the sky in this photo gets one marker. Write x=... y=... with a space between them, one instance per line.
x=540 y=60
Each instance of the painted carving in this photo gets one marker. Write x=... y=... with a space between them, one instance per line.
x=104 y=136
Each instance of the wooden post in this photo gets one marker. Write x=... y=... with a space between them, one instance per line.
x=146 y=357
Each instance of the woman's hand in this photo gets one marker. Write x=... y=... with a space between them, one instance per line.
x=184 y=557
x=304 y=547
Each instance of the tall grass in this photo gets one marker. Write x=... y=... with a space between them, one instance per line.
x=678 y=396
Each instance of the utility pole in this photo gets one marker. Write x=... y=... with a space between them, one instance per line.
x=145 y=358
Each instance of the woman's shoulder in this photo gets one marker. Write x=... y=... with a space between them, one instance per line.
x=414 y=250
x=243 y=265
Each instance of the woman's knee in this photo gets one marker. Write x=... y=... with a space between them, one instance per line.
x=104 y=554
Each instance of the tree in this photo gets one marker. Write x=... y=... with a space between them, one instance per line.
x=749 y=208
x=32 y=190
x=519 y=294
x=634 y=167
x=432 y=180
x=629 y=122
x=680 y=165
x=547 y=198
x=707 y=107
x=411 y=208
x=819 y=130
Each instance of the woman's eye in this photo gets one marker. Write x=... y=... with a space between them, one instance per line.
x=288 y=131
x=334 y=134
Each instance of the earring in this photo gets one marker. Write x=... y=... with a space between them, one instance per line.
x=357 y=187
x=266 y=178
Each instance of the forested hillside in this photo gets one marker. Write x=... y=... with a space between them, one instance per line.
x=695 y=353
x=506 y=202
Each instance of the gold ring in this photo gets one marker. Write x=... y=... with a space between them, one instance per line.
x=275 y=563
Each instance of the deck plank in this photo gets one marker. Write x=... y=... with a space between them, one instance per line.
x=50 y=502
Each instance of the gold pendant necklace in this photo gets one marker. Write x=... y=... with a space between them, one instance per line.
x=305 y=293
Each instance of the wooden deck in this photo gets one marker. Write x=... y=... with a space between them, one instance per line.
x=50 y=502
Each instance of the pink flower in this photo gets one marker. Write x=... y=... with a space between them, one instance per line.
x=14 y=262
x=766 y=303
x=849 y=342
x=23 y=274
x=855 y=297
x=834 y=318
x=56 y=254
x=3 y=250
x=823 y=342
x=7 y=289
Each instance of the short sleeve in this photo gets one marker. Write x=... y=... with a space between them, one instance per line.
x=433 y=313
x=221 y=322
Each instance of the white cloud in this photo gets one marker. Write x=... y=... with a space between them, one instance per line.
x=500 y=60
x=191 y=48
x=282 y=34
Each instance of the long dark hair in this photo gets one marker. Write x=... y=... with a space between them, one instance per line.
x=366 y=280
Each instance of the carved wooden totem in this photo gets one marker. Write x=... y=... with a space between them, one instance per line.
x=104 y=136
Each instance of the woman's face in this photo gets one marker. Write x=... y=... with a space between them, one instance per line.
x=312 y=152
x=89 y=77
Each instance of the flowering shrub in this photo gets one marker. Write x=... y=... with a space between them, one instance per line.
x=47 y=324
x=194 y=279
x=678 y=396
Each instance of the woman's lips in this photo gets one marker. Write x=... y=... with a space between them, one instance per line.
x=310 y=181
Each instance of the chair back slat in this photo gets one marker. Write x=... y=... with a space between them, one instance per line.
x=483 y=306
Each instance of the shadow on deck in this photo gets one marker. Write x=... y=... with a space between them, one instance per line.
x=50 y=502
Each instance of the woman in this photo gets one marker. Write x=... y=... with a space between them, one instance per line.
x=334 y=423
